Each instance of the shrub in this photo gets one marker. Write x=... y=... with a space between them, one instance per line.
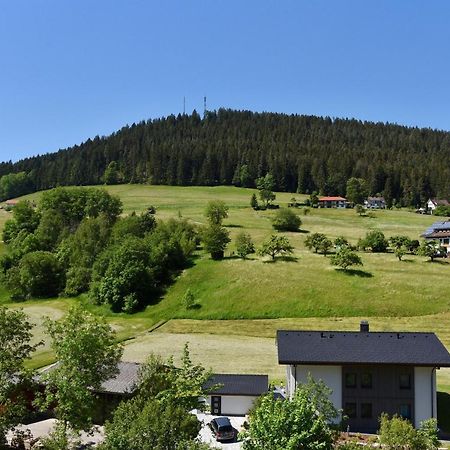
x=375 y=241
x=397 y=433
x=345 y=258
x=188 y=299
x=286 y=220
x=244 y=245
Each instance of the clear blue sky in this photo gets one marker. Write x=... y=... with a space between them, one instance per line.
x=70 y=70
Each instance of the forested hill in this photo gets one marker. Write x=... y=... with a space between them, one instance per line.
x=304 y=153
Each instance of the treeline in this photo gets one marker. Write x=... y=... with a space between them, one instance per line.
x=304 y=154
x=77 y=242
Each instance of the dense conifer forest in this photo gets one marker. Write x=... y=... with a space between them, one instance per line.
x=304 y=154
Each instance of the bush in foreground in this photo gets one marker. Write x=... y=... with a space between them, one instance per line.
x=397 y=433
x=299 y=423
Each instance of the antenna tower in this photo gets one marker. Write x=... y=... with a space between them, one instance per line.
x=204 y=106
x=184 y=106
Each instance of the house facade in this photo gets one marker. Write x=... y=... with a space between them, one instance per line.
x=439 y=231
x=368 y=372
x=375 y=203
x=235 y=394
x=332 y=202
x=433 y=203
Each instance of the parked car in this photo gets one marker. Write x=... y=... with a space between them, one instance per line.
x=222 y=429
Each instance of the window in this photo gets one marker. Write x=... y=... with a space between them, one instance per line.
x=405 y=381
x=366 y=380
x=405 y=411
x=350 y=380
x=350 y=410
x=366 y=410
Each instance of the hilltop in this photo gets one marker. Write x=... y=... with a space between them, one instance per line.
x=227 y=147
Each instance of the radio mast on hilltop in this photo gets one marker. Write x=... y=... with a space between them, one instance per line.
x=184 y=106
x=204 y=106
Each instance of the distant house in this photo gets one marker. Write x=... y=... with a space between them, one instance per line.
x=236 y=394
x=375 y=203
x=433 y=203
x=332 y=202
x=11 y=203
x=368 y=372
x=439 y=231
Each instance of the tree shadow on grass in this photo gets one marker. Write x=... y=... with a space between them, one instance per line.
x=439 y=261
x=195 y=306
x=355 y=273
x=281 y=258
x=233 y=225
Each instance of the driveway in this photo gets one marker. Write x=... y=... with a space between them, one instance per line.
x=45 y=427
x=207 y=436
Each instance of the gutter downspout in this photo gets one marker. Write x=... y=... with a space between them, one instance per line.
x=433 y=372
x=295 y=377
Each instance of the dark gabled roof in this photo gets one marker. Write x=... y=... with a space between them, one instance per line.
x=125 y=381
x=233 y=384
x=343 y=347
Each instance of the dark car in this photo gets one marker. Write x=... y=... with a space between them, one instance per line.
x=222 y=429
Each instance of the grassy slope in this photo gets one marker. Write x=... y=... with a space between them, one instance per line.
x=308 y=287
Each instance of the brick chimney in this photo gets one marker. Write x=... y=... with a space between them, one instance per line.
x=364 y=326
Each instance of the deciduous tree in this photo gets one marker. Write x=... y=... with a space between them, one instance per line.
x=15 y=349
x=266 y=185
x=275 y=246
x=87 y=354
x=244 y=245
x=216 y=211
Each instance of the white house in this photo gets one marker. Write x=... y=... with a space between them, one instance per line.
x=375 y=203
x=439 y=231
x=433 y=203
x=368 y=372
x=235 y=394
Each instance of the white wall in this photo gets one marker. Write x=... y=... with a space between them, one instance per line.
x=330 y=375
x=424 y=394
x=290 y=381
x=235 y=405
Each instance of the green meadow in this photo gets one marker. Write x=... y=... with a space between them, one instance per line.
x=241 y=303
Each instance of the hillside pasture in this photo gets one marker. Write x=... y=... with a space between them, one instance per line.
x=304 y=291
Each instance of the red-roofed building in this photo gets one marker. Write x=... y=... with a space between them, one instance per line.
x=332 y=202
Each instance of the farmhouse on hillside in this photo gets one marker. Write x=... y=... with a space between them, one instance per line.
x=235 y=395
x=332 y=202
x=439 y=231
x=375 y=203
x=433 y=203
x=368 y=372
